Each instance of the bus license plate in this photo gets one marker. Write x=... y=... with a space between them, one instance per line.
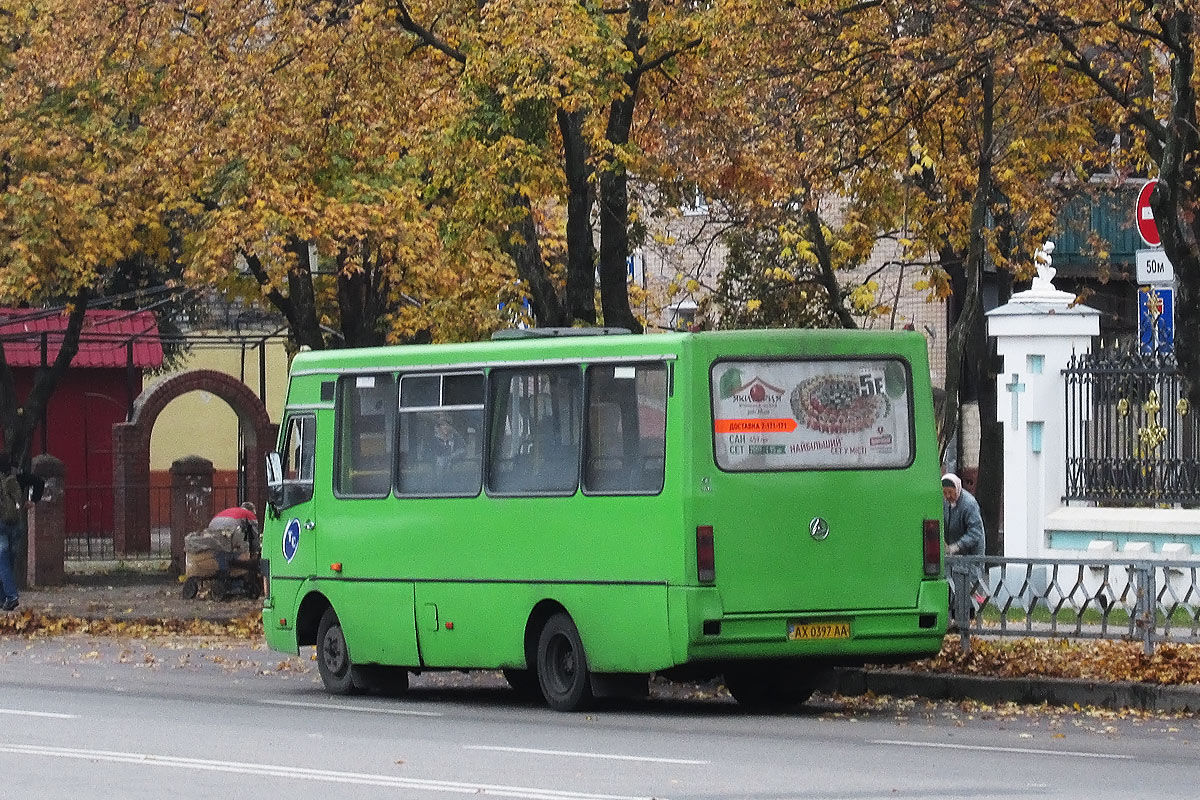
x=818 y=630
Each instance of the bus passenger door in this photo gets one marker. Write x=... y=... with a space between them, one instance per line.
x=288 y=546
x=360 y=564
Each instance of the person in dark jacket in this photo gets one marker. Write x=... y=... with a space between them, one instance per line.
x=17 y=489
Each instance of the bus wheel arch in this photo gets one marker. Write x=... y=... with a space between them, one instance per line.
x=541 y=613
x=308 y=617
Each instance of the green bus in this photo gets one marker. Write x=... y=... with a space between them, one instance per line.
x=583 y=511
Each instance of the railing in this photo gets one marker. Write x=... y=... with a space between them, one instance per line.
x=1149 y=600
x=1132 y=437
x=89 y=521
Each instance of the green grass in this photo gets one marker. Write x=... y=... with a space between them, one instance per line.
x=1067 y=616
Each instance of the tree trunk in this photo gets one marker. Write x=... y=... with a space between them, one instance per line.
x=970 y=317
x=299 y=305
x=1176 y=199
x=614 y=185
x=362 y=300
x=523 y=248
x=581 y=252
x=19 y=419
x=828 y=276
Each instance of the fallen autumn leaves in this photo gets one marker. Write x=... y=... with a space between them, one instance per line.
x=1101 y=660
x=32 y=624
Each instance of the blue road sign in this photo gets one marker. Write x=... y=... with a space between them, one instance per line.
x=1156 y=320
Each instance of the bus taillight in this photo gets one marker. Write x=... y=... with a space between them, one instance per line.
x=932 y=531
x=706 y=562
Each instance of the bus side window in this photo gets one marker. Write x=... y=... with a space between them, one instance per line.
x=626 y=440
x=439 y=448
x=298 y=459
x=536 y=431
x=365 y=416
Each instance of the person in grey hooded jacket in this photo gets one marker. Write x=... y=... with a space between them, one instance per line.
x=964 y=532
x=964 y=523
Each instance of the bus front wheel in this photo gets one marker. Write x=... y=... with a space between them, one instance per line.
x=562 y=668
x=333 y=657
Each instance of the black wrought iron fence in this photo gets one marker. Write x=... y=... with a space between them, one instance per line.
x=89 y=525
x=1132 y=437
x=1147 y=600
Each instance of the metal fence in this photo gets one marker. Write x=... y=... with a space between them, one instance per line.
x=1132 y=437
x=1149 y=600
x=89 y=521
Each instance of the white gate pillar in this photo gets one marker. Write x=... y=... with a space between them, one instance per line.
x=1036 y=332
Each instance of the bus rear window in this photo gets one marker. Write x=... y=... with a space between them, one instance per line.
x=812 y=414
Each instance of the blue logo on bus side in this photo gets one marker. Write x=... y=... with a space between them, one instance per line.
x=291 y=539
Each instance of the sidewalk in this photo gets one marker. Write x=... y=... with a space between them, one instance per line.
x=136 y=596
x=130 y=596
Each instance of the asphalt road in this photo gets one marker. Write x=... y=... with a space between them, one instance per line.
x=91 y=718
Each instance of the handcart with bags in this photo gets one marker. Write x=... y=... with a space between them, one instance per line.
x=222 y=560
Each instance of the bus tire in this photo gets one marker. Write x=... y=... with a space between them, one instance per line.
x=769 y=687
x=562 y=669
x=333 y=657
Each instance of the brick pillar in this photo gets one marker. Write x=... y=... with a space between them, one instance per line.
x=191 y=501
x=131 y=489
x=47 y=526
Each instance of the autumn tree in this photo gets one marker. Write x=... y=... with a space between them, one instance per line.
x=567 y=78
x=74 y=194
x=318 y=167
x=765 y=285
x=934 y=131
x=1140 y=56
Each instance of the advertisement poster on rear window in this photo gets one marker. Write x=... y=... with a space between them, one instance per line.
x=782 y=415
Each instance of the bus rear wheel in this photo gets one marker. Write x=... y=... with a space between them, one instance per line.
x=771 y=687
x=562 y=668
x=333 y=657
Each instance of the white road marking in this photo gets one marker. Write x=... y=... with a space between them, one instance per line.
x=578 y=754
x=342 y=707
x=1023 y=750
x=20 y=713
x=305 y=773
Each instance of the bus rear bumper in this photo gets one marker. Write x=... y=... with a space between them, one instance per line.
x=856 y=636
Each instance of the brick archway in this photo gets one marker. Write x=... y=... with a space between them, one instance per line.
x=131 y=448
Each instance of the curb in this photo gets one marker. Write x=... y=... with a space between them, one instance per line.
x=1116 y=696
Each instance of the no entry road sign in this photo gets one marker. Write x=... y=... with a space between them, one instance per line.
x=1147 y=229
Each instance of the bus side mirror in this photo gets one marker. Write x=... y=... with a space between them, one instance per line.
x=274 y=482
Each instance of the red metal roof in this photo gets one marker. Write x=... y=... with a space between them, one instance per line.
x=104 y=341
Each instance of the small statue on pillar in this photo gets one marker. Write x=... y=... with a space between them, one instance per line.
x=1044 y=282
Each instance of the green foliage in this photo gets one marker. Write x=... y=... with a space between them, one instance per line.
x=767 y=284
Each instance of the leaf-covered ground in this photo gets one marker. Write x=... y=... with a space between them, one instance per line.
x=1099 y=660
x=1060 y=658
x=34 y=624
